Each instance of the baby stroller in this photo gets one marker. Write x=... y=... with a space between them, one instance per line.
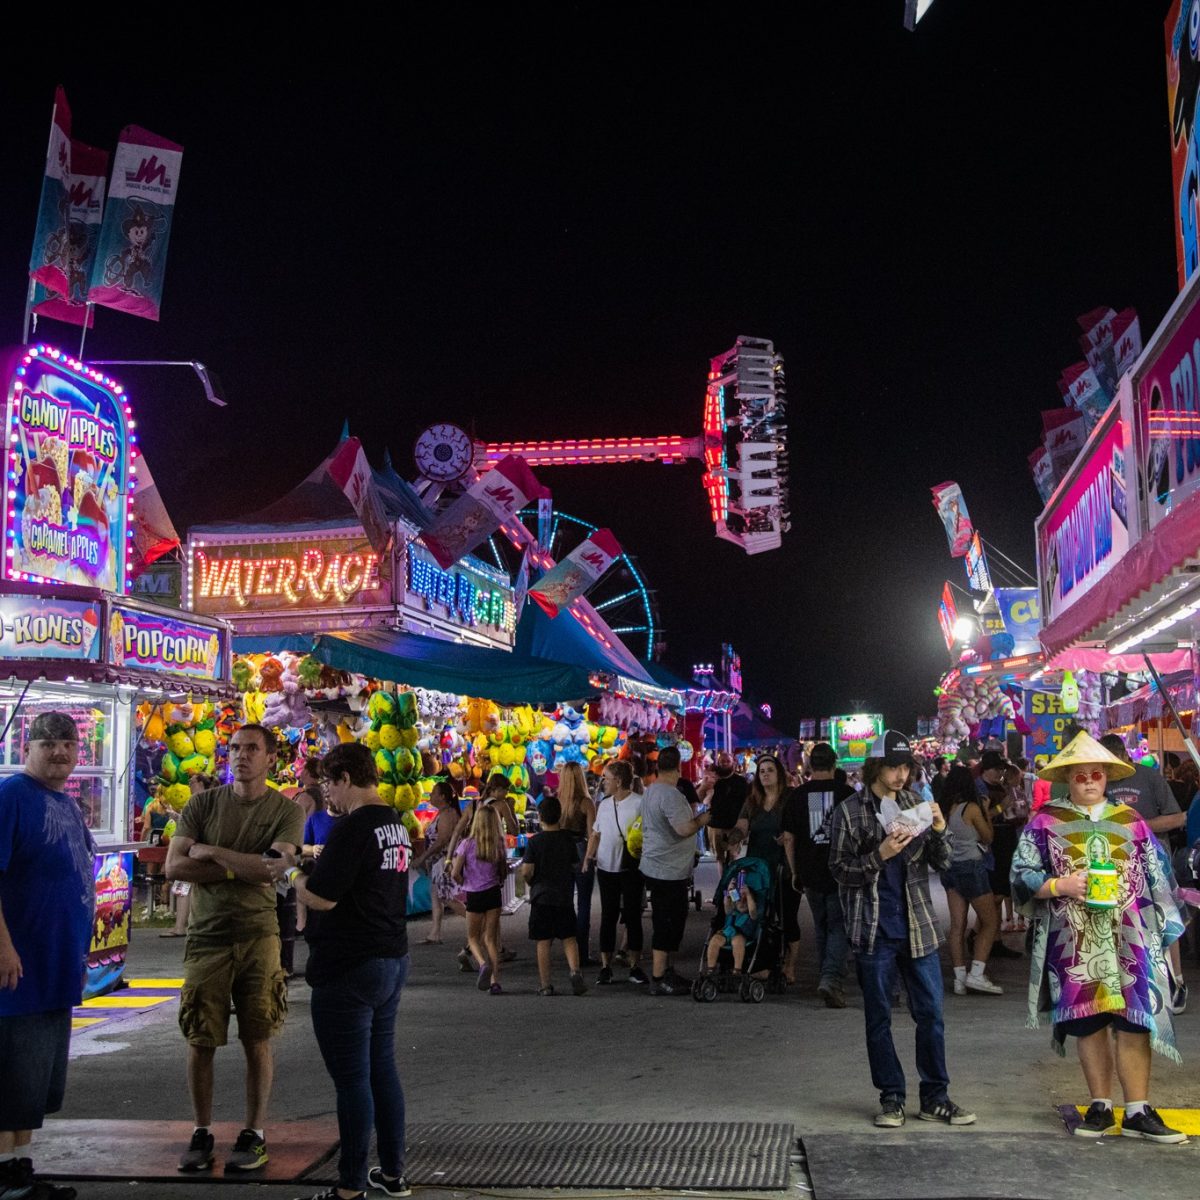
x=764 y=949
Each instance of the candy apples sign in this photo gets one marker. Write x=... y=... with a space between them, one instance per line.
x=68 y=479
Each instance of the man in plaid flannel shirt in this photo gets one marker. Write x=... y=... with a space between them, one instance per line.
x=883 y=882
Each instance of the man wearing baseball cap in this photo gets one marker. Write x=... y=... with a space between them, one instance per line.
x=883 y=881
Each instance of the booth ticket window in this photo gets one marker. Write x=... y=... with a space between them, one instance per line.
x=92 y=782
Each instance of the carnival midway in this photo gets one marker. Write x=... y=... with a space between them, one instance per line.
x=331 y=778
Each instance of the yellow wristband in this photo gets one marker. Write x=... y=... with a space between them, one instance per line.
x=1054 y=886
x=229 y=874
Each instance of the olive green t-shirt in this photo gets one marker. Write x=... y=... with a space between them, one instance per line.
x=232 y=910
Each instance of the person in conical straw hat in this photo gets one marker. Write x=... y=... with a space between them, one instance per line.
x=1089 y=874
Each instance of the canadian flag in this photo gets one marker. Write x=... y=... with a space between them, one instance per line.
x=349 y=469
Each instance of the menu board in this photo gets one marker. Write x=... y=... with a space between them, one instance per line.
x=67 y=480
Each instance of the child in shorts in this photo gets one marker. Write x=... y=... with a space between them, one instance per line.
x=550 y=864
x=742 y=904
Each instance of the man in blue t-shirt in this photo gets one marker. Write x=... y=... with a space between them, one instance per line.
x=46 y=905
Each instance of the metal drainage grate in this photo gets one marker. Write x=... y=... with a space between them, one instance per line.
x=571 y=1154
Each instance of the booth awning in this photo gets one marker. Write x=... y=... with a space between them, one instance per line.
x=565 y=639
x=1146 y=704
x=427 y=662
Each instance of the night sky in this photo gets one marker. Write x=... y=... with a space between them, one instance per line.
x=546 y=230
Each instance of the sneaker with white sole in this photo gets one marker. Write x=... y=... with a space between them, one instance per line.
x=249 y=1152
x=890 y=1114
x=199 y=1154
x=1097 y=1121
x=1149 y=1125
x=390 y=1187
x=947 y=1112
x=960 y=986
x=981 y=983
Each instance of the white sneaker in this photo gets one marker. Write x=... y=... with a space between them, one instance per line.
x=981 y=983
x=960 y=987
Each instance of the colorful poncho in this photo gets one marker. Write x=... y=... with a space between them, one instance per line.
x=1087 y=962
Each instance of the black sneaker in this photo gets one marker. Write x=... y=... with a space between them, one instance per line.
x=890 y=1114
x=1149 y=1125
x=390 y=1187
x=199 y=1154
x=16 y=1180
x=666 y=986
x=1097 y=1121
x=677 y=980
x=605 y=976
x=637 y=975
x=946 y=1112
x=578 y=985
x=248 y=1154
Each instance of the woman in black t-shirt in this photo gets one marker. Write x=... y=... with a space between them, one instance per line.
x=357 y=896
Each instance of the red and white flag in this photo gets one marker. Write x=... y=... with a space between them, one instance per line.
x=349 y=469
x=47 y=264
x=492 y=500
x=563 y=584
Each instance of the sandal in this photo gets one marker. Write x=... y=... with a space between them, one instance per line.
x=548 y=990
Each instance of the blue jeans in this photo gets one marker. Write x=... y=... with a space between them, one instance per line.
x=585 y=881
x=354 y=1019
x=832 y=945
x=923 y=982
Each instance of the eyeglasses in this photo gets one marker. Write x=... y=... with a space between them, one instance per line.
x=1084 y=776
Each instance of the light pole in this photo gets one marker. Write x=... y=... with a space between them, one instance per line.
x=212 y=385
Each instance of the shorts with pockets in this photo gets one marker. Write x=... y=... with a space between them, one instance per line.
x=248 y=973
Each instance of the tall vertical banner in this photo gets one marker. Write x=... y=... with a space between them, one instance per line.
x=349 y=469
x=563 y=584
x=948 y=615
x=494 y=498
x=131 y=261
x=1182 y=34
x=47 y=262
x=952 y=508
x=975 y=562
x=71 y=249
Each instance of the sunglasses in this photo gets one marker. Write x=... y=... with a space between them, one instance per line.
x=1084 y=776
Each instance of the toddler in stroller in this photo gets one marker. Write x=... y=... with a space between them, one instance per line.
x=742 y=901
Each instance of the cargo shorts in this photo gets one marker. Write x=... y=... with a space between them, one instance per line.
x=248 y=973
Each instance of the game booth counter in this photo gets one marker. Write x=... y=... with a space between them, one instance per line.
x=1118 y=540
x=71 y=637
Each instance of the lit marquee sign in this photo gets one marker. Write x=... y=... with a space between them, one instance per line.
x=464 y=594
x=316 y=573
x=69 y=477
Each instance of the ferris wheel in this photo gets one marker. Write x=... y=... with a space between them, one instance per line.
x=622 y=597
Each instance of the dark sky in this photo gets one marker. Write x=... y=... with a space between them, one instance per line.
x=546 y=229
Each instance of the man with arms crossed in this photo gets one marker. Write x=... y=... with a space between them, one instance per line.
x=233 y=937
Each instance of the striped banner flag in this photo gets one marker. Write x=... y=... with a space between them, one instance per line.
x=48 y=262
x=564 y=583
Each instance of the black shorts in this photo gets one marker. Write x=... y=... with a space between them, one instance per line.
x=668 y=912
x=33 y=1065
x=481 y=902
x=549 y=921
x=1085 y=1026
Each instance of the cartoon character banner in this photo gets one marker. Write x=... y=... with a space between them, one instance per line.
x=70 y=249
x=45 y=627
x=952 y=508
x=349 y=469
x=494 y=498
x=131 y=261
x=46 y=264
x=563 y=584
x=975 y=562
x=1182 y=32
x=153 y=643
x=67 y=478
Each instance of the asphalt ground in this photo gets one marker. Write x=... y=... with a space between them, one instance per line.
x=617 y=1054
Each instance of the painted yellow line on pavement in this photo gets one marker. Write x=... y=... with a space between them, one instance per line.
x=84 y=1022
x=155 y=983
x=119 y=1000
